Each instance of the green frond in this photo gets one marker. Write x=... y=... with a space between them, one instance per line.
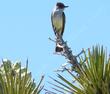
x=94 y=76
x=15 y=79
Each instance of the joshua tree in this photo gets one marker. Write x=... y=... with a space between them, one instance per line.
x=93 y=77
x=17 y=80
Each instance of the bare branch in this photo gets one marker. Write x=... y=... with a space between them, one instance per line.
x=67 y=52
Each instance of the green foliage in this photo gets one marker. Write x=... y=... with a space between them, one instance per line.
x=93 y=76
x=17 y=80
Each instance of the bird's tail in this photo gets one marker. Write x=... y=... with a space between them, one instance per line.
x=58 y=48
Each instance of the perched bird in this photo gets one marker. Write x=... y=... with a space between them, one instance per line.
x=58 y=22
x=58 y=19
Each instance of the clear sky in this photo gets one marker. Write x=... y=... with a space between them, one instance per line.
x=25 y=26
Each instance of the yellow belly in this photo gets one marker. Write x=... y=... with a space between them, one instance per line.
x=58 y=23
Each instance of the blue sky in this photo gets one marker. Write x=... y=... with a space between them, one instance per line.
x=25 y=26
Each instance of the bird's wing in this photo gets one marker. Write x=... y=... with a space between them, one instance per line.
x=63 y=23
x=54 y=28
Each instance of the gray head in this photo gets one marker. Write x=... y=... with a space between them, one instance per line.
x=60 y=5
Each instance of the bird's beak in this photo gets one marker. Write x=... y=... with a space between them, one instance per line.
x=66 y=6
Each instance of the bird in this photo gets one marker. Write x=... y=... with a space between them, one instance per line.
x=58 y=22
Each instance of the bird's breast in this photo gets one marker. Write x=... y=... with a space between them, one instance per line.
x=57 y=20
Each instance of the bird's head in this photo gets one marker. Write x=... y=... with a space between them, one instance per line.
x=60 y=6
